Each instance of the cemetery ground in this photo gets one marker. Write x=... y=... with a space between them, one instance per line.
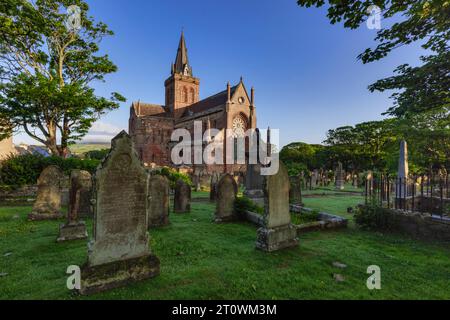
x=203 y=260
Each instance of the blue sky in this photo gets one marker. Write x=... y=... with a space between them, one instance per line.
x=304 y=70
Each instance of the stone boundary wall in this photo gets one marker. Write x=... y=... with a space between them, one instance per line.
x=23 y=192
x=420 y=225
x=28 y=194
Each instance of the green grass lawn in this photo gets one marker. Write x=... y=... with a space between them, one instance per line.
x=202 y=260
x=83 y=148
x=329 y=190
x=334 y=204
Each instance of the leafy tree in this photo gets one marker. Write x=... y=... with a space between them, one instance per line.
x=300 y=156
x=421 y=94
x=46 y=70
x=366 y=146
x=96 y=154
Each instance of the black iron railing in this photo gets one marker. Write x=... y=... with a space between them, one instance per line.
x=423 y=193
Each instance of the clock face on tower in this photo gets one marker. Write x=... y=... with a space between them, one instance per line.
x=239 y=127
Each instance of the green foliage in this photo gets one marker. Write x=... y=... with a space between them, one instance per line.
x=96 y=154
x=173 y=176
x=421 y=94
x=22 y=170
x=244 y=204
x=46 y=71
x=302 y=157
x=374 y=217
x=366 y=146
x=305 y=217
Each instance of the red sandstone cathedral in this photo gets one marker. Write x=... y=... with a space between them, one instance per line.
x=151 y=125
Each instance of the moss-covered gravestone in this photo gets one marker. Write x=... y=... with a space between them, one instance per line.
x=80 y=181
x=213 y=186
x=158 y=201
x=182 y=197
x=226 y=195
x=277 y=232
x=295 y=190
x=48 y=199
x=254 y=184
x=119 y=252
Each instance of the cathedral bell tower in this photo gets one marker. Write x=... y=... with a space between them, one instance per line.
x=182 y=88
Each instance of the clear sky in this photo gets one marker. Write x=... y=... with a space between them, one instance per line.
x=304 y=70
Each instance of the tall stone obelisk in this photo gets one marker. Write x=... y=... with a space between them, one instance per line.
x=403 y=160
x=402 y=189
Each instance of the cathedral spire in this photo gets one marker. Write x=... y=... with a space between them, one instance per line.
x=181 y=65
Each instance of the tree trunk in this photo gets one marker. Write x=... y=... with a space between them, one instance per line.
x=51 y=140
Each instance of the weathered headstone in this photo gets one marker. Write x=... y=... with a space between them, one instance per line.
x=196 y=181
x=85 y=207
x=355 y=180
x=254 y=184
x=253 y=177
x=48 y=199
x=277 y=232
x=213 y=186
x=119 y=252
x=340 y=177
x=65 y=192
x=75 y=229
x=182 y=198
x=315 y=178
x=158 y=198
x=295 y=190
x=302 y=179
x=226 y=195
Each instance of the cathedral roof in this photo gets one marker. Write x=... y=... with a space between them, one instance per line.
x=211 y=102
x=147 y=109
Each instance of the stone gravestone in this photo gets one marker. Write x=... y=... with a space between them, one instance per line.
x=182 y=198
x=277 y=232
x=339 y=177
x=196 y=180
x=158 y=207
x=75 y=229
x=85 y=193
x=302 y=180
x=65 y=192
x=48 y=199
x=254 y=184
x=213 y=186
x=313 y=179
x=119 y=252
x=295 y=190
x=355 y=180
x=226 y=195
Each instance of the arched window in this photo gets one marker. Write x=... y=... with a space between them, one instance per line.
x=185 y=95
x=192 y=94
